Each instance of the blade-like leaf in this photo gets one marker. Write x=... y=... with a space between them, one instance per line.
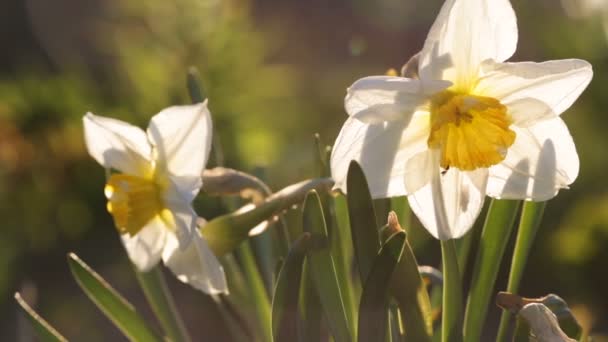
x=286 y=293
x=44 y=331
x=112 y=304
x=226 y=232
x=494 y=237
x=310 y=309
x=323 y=271
x=373 y=310
x=362 y=219
x=408 y=288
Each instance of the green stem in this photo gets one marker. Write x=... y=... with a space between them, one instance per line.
x=159 y=297
x=463 y=249
x=257 y=289
x=451 y=319
x=494 y=237
x=531 y=216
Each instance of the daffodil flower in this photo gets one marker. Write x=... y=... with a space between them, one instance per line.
x=468 y=125
x=158 y=175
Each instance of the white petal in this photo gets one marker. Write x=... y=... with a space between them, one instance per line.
x=466 y=33
x=382 y=150
x=376 y=99
x=196 y=265
x=116 y=144
x=419 y=170
x=449 y=206
x=146 y=247
x=542 y=160
x=181 y=136
x=556 y=83
x=527 y=112
x=184 y=218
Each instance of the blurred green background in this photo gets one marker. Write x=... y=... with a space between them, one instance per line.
x=275 y=72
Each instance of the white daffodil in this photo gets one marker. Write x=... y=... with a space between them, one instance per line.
x=469 y=125
x=158 y=176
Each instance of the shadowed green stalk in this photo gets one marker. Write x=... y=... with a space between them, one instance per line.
x=531 y=216
x=160 y=299
x=463 y=249
x=494 y=237
x=451 y=319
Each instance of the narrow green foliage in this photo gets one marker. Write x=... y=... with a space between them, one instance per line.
x=286 y=293
x=409 y=290
x=362 y=219
x=226 y=232
x=233 y=319
x=451 y=319
x=310 y=310
x=44 y=331
x=112 y=304
x=323 y=270
x=494 y=238
x=531 y=216
x=373 y=310
x=160 y=299
x=257 y=290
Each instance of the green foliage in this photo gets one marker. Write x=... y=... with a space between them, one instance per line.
x=323 y=271
x=494 y=237
x=374 y=309
x=362 y=218
x=286 y=292
x=44 y=331
x=113 y=305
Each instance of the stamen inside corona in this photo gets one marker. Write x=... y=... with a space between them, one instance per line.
x=132 y=201
x=470 y=131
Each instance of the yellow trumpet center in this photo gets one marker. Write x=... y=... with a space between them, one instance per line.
x=132 y=202
x=470 y=131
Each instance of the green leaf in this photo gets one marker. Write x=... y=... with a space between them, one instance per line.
x=257 y=291
x=409 y=290
x=44 y=331
x=160 y=299
x=112 y=304
x=494 y=238
x=226 y=232
x=531 y=217
x=362 y=219
x=451 y=318
x=310 y=309
x=286 y=293
x=323 y=270
x=373 y=310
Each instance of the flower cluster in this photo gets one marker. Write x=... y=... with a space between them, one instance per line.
x=154 y=176
x=465 y=124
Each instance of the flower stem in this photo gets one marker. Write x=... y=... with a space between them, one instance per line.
x=531 y=216
x=160 y=299
x=494 y=237
x=452 y=294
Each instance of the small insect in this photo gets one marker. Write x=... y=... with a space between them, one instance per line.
x=444 y=171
